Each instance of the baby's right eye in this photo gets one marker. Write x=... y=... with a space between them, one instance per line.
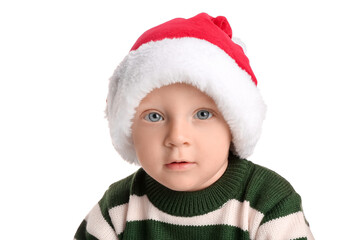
x=153 y=117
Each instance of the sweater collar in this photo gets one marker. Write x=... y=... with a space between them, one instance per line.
x=189 y=204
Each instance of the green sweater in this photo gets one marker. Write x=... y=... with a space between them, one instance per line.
x=247 y=202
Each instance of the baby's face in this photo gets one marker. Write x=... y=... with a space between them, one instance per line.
x=180 y=137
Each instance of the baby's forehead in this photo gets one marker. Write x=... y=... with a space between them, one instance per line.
x=186 y=93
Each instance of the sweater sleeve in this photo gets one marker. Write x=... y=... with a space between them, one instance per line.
x=279 y=207
x=285 y=221
x=95 y=227
x=106 y=221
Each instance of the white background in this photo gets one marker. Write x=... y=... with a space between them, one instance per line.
x=55 y=60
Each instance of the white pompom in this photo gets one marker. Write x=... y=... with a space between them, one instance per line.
x=239 y=42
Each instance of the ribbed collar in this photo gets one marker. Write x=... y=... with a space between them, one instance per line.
x=199 y=202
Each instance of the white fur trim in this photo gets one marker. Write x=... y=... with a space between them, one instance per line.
x=188 y=60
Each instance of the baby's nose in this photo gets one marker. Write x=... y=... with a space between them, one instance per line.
x=179 y=134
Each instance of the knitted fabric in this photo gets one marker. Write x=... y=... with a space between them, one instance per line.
x=247 y=202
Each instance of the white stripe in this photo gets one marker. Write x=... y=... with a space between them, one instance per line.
x=118 y=217
x=97 y=225
x=232 y=213
x=289 y=227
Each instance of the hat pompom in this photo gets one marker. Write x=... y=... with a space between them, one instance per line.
x=240 y=43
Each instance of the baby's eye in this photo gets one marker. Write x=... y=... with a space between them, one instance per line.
x=153 y=117
x=203 y=114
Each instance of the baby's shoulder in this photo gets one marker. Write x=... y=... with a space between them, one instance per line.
x=264 y=180
x=264 y=188
x=119 y=192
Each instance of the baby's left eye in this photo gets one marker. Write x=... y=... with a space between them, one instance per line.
x=203 y=114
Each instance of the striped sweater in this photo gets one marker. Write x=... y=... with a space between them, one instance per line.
x=247 y=202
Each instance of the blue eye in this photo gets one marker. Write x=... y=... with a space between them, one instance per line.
x=203 y=114
x=153 y=117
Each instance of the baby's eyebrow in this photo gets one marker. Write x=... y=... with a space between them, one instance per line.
x=210 y=105
x=145 y=106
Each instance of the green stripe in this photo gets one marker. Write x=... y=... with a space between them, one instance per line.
x=82 y=234
x=265 y=189
x=150 y=229
x=118 y=192
x=289 y=205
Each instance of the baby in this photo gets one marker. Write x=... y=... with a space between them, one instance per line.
x=184 y=105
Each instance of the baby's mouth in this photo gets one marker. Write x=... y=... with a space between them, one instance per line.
x=179 y=165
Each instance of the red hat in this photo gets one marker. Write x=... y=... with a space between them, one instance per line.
x=199 y=51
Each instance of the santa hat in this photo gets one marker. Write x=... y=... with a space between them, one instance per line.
x=199 y=51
